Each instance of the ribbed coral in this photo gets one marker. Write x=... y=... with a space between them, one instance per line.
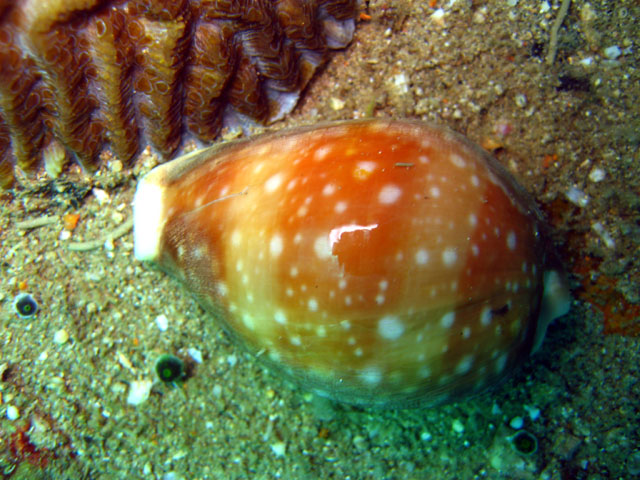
x=87 y=74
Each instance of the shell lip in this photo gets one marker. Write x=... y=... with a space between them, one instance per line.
x=149 y=216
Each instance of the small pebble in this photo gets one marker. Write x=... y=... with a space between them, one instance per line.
x=596 y=175
x=116 y=166
x=162 y=322
x=60 y=337
x=457 y=426
x=534 y=412
x=612 y=52
x=139 y=391
x=401 y=82
x=359 y=442
x=438 y=16
x=195 y=354
x=604 y=235
x=13 y=413
x=279 y=449
x=336 y=103
x=425 y=436
x=516 y=423
x=100 y=195
x=521 y=100
x=577 y=197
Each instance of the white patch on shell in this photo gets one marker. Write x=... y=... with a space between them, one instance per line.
x=457 y=160
x=390 y=327
x=449 y=256
x=236 y=238
x=371 y=375
x=511 y=240
x=276 y=245
x=313 y=304
x=329 y=189
x=273 y=183
x=389 y=194
x=464 y=365
x=447 y=319
x=422 y=257
x=321 y=153
x=485 y=316
x=322 y=248
x=280 y=317
x=501 y=363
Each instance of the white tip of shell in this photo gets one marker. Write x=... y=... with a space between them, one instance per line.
x=148 y=210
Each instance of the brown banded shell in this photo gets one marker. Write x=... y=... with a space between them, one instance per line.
x=76 y=76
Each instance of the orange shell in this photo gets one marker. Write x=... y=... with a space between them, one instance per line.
x=378 y=262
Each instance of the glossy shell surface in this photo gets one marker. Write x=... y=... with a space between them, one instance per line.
x=377 y=262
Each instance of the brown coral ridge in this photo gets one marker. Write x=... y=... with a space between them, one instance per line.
x=76 y=75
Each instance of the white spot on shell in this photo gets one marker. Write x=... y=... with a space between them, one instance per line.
x=280 y=317
x=313 y=304
x=236 y=238
x=434 y=192
x=422 y=257
x=501 y=362
x=449 y=256
x=273 y=183
x=321 y=247
x=329 y=189
x=390 y=327
x=222 y=289
x=371 y=375
x=473 y=220
x=464 y=365
x=276 y=245
x=295 y=340
x=366 y=166
x=485 y=316
x=248 y=321
x=321 y=153
x=340 y=207
x=511 y=240
x=389 y=194
x=447 y=319
x=457 y=160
